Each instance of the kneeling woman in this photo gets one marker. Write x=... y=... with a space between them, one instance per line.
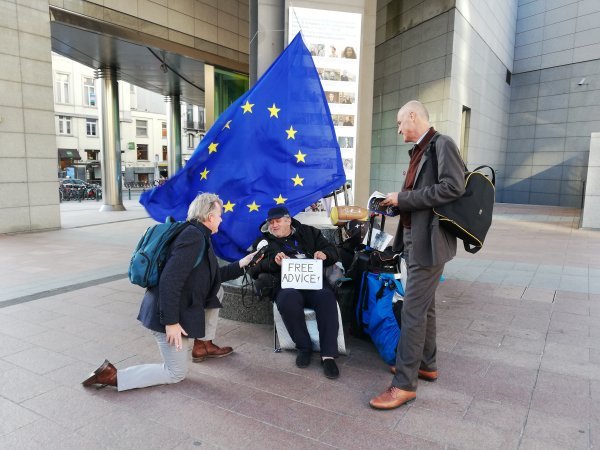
x=184 y=304
x=287 y=238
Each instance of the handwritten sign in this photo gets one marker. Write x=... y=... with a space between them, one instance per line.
x=301 y=274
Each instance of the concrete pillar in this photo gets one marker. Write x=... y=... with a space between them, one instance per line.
x=209 y=96
x=174 y=132
x=591 y=207
x=267 y=24
x=111 y=140
x=28 y=154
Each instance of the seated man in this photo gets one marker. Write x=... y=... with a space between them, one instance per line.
x=285 y=237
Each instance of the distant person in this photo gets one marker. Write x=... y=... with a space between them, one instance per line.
x=349 y=53
x=348 y=122
x=331 y=98
x=185 y=304
x=344 y=76
x=427 y=246
x=287 y=238
x=332 y=52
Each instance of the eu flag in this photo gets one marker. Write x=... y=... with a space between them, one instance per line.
x=275 y=145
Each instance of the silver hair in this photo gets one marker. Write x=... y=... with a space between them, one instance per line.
x=202 y=205
x=417 y=107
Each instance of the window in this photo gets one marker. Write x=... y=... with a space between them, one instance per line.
x=92 y=155
x=141 y=128
x=465 y=127
x=89 y=91
x=91 y=127
x=64 y=125
x=164 y=152
x=61 y=88
x=142 y=152
x=190 y=140
x=164 y=129
x=189 y=115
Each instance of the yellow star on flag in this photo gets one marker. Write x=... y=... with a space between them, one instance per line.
x=204 y=174
x=253 y=206
x=300 y=157
x=279 y=200
x=247 y=107
x=212 y=148
x=226 y=125
x=291 y=133
x=228 y=207
x=274 y=110
x=297 y=180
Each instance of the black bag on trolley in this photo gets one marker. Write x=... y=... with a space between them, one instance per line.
x=367 y=260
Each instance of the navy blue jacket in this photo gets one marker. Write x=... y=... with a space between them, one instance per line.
x=184 y=291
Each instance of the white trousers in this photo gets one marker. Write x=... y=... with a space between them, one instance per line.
x=175 y=362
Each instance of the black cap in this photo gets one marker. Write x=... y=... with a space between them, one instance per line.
x=277 y=212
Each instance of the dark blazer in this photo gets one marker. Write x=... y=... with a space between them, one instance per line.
x=184 y=291
x=432 y=244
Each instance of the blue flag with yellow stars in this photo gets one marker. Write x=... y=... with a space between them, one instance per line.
x=275 y=145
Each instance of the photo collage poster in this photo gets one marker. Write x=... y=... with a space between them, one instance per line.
x=333 y=38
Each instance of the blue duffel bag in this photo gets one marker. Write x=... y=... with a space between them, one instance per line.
x=375 y=314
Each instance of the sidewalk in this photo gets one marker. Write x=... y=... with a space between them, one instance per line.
x=518 y=340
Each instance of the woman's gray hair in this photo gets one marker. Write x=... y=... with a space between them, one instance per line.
x=202 y=205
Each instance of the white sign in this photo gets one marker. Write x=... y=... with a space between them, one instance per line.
x=301 y=274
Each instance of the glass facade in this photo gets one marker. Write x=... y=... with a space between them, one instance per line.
x=229 y=86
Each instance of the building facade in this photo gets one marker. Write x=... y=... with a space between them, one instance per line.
x=143 y=122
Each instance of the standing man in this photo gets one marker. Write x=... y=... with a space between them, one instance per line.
x=427 y=248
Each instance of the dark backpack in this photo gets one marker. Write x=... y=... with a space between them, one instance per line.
x=469 y=217
x=150 y=254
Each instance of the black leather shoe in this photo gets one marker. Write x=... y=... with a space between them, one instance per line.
x=330 y=368
x=303 y=359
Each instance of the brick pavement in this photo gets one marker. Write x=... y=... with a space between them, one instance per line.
x=518 y=336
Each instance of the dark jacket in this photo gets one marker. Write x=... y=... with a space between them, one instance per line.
x=304 y=237
x=432 y=244
x=184 y=291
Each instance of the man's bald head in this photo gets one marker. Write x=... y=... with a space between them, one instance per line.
x=413 y=121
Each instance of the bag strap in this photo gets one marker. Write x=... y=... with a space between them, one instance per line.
x=433 y=152
x=492 y=171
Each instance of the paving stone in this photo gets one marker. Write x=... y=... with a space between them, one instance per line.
x=46 y=434
x=523 y=345
x=39 y=360
x=351 y=402
x=564 y=432
x=68 y=407
x=567 y=352
x=212 y=425
x=562 y=404
x=116 y=429
x=495 y=414
x=295 y=416
x=454 y=432
x=19 y=384
x=572 y=384
x=13 y=416
x=353 y=433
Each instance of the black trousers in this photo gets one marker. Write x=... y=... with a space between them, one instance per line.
x=291 y=304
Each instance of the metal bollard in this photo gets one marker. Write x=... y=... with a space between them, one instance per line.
x=129 y=190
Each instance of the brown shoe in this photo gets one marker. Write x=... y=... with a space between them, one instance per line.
x=423 y=374
x=206 y=349
x=106 y=375
x=392 y=398
x=428 y=375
